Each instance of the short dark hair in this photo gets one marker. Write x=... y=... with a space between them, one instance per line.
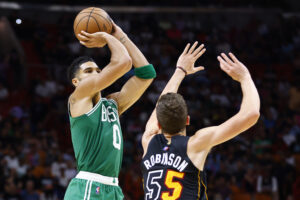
x=171 y=112
x=75 y=65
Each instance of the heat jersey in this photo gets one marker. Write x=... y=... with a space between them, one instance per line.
x=168 y=172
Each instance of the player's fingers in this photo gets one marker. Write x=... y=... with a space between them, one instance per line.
x=83 y=43
x=227 y=59
x=198 y=50
x=82 y=37
x=85 y=34
x=193 y=47
x=225 y=69
x=200 y=68
x=200 y=53
x=186 y=49
x=225 y=64
x=232 y=56
x=87 y=44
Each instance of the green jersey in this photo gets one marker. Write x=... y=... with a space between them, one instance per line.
x=97 y=139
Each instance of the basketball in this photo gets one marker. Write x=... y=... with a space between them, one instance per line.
x=92 y=20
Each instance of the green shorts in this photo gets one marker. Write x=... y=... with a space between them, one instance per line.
x=81 y=189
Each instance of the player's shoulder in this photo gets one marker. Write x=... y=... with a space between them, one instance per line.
x=112 y=101
x=203 y=131
x=73 y=98
x=111 y=98
x=201 y=139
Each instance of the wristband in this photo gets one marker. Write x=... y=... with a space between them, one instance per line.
x=145 y=72
x=182 y=69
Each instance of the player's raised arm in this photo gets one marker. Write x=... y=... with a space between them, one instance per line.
x=120 y=63
x=246 y=117
x=185 y=66
x=144 y=74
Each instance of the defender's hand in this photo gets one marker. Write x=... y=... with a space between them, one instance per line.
x=233 y=67
x=189 y=56
x=92 y=40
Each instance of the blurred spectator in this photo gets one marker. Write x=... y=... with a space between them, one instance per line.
x=12 y=160
x=294 y=103
x=267 y=184
x=29 y=193
x=249 y=182
x=37 y=161
x=11 y=191
x=3 y=92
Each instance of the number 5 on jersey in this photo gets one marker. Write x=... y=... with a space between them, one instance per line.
x=154 y=187
x=171 y=184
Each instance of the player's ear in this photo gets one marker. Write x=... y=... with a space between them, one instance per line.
x=188 y=120
x=75 y=81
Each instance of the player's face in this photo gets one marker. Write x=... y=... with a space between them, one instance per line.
x=87 y=69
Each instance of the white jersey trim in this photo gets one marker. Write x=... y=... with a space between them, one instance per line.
x=114 y=102
x=98 y=178
x=95 y=107
x=86 y=189
x=89 y=194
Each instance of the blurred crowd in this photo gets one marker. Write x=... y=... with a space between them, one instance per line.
x=36 y=156
x=282 y=4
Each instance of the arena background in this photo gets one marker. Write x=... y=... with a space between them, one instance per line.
x=37 y=44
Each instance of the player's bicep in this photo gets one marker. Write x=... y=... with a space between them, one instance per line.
x=212 y=136
x=201 y=140
x=234 y=126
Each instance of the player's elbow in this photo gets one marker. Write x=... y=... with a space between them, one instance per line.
x=127 y=63
x=252 y=117
x=123 y=63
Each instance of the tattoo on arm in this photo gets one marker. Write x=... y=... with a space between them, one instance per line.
x=123 y=40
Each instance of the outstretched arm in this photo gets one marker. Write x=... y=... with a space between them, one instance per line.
x=246 y=117
x=120 y=63
x=135 y=86
x=185 y=66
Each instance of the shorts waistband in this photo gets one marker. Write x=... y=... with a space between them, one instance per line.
x=98 y=178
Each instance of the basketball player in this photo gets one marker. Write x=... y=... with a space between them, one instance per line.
x=94 y=120
x=173 y=163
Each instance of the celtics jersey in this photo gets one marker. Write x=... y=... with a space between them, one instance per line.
x=97 y=139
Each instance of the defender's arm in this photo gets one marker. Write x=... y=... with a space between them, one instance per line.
x=247 y=116
x=185 y=66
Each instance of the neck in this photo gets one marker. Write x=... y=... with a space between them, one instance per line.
x=96 y=98
x=168 y=135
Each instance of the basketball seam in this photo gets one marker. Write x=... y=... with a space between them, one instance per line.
x=79 y=22
x=96 y=23
x=109 y=22
x=87 y=24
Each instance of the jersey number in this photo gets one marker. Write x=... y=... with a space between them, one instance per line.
x=154 y=187
x=116 y=137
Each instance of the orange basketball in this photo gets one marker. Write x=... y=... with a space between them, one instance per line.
x=92 y=20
